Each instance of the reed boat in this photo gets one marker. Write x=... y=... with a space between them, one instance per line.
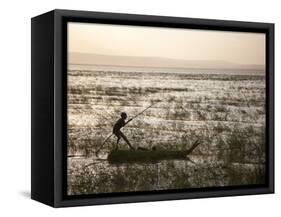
x=140 y=155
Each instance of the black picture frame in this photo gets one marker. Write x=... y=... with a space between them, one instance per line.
x=49 y=83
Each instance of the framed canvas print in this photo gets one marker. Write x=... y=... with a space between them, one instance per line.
x=133 y=108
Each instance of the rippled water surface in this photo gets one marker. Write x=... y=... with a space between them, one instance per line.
x=225 y=111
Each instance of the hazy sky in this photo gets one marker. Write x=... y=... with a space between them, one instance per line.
x=120 y=40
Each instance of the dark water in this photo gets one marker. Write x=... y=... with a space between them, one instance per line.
x=88 y=176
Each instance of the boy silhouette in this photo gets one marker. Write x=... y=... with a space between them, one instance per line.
x=117 y=129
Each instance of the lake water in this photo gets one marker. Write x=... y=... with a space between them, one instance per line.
x=225 y=110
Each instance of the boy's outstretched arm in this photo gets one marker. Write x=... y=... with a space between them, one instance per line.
x=128 y=121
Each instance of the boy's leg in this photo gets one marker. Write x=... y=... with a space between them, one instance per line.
x=118 y=139
x=126 y=140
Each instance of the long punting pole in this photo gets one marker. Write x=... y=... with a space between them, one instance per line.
x=142 y=111
x=97 y=152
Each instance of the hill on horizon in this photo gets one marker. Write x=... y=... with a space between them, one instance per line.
x=137 y=61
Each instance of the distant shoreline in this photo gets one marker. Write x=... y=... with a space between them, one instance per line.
x=157 y=62
x=231 y=71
